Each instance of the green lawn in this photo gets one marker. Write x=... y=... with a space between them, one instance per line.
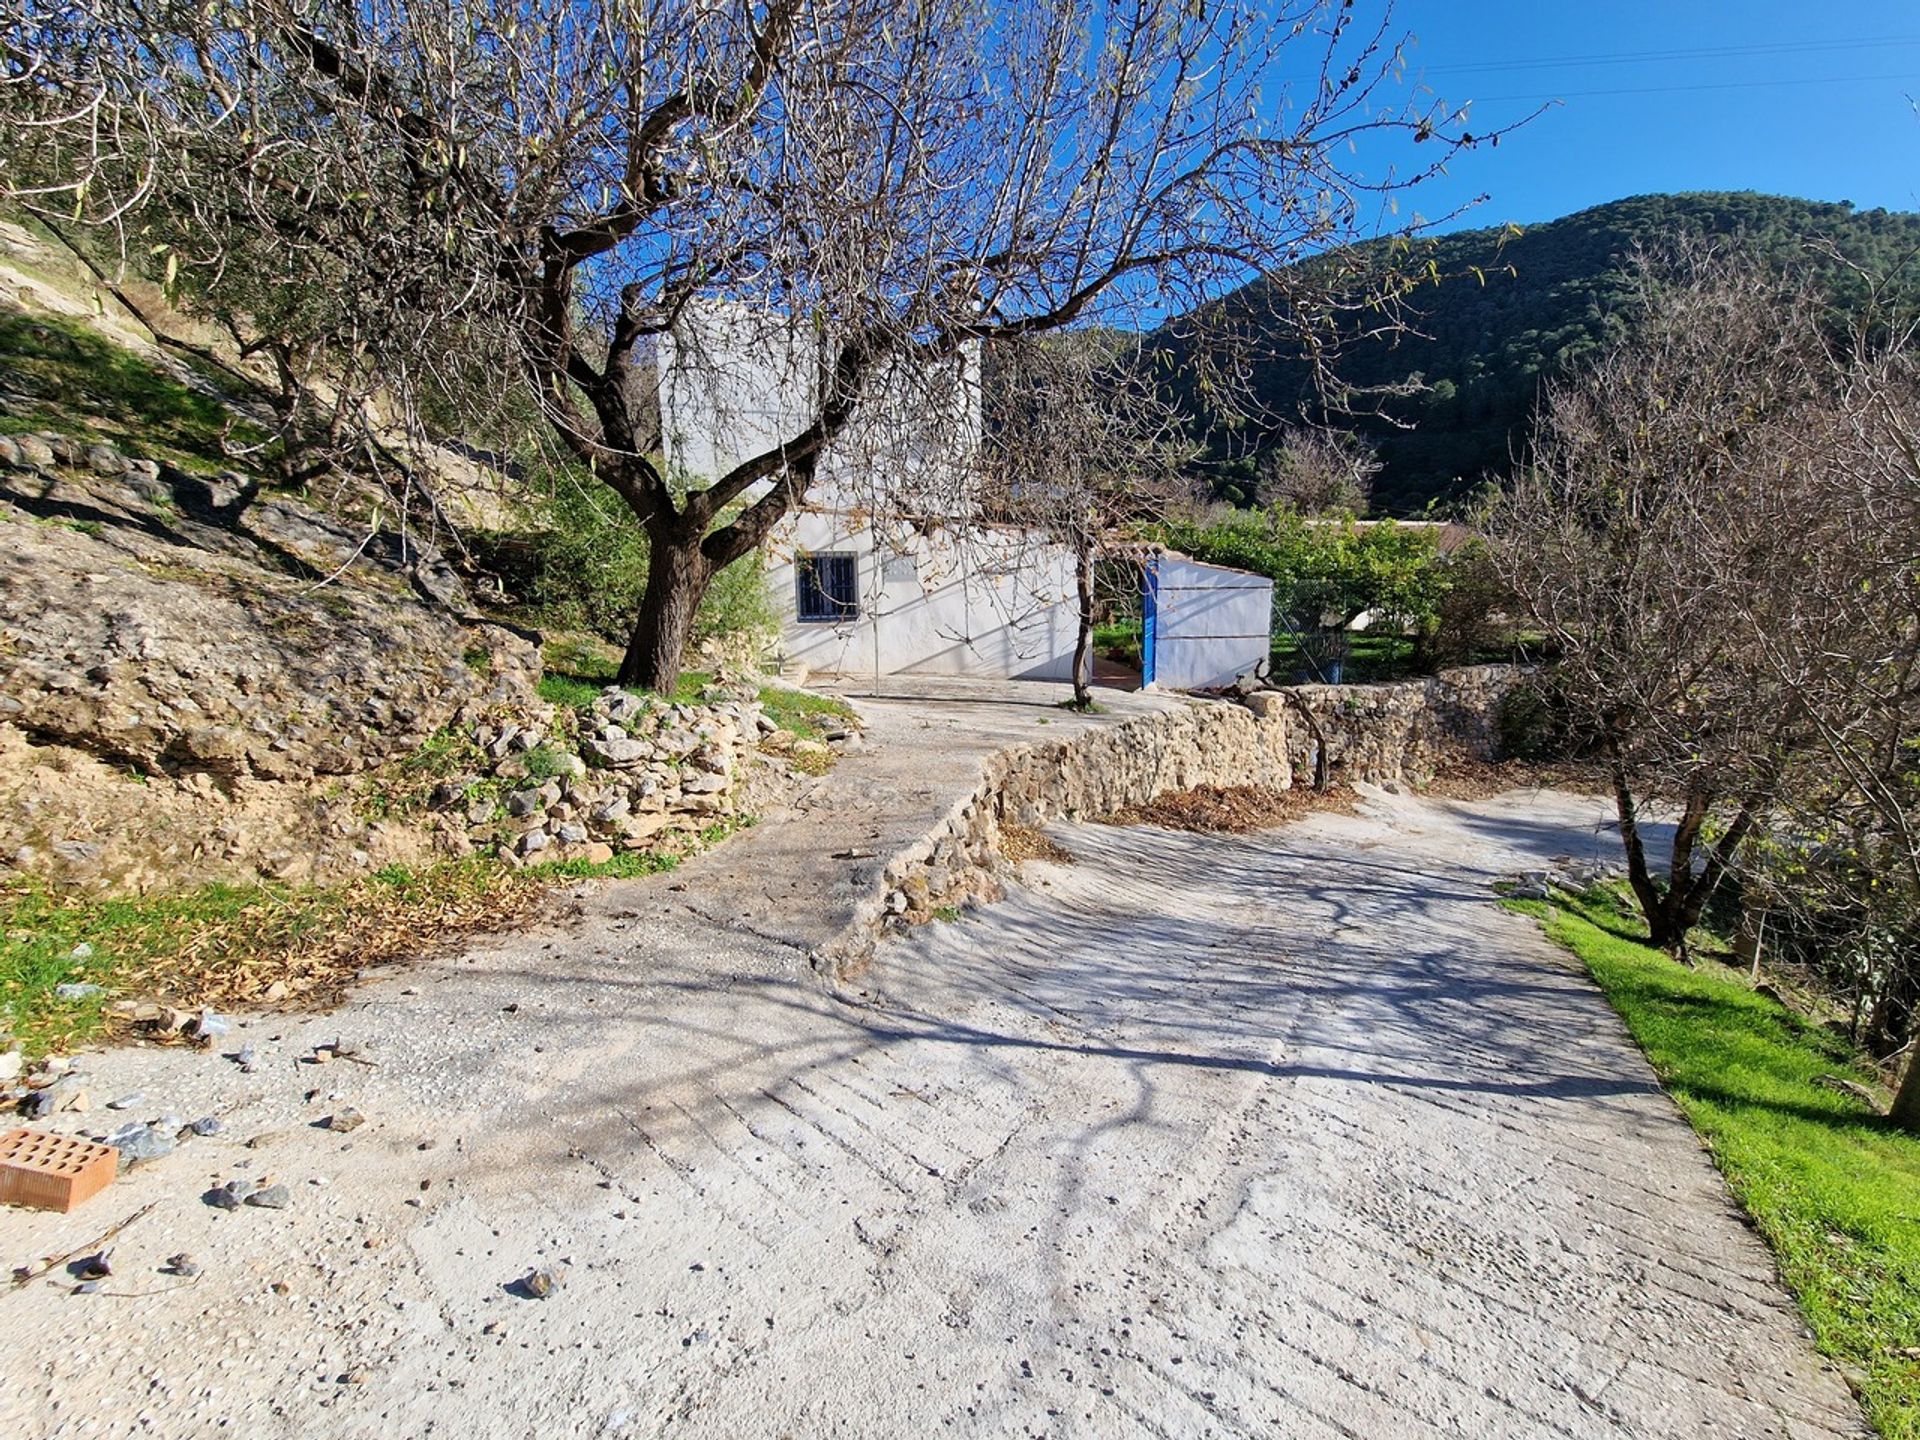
x=1830 y=1184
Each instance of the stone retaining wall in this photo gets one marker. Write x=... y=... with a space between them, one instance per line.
x=615 y=775
x=1395 y=733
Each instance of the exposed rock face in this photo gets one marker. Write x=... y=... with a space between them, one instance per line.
x=175 y=623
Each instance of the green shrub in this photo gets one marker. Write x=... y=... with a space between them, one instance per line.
x=1325 y=573
x=580 y=563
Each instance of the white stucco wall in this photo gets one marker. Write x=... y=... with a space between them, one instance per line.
x=734 y=382
x=959 y=601
x=1210 y=625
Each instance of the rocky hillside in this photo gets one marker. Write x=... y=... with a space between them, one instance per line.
x=204 y=677
x=227 y=652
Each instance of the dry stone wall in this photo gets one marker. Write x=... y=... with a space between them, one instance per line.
x=625 y=771
x=1396 y=733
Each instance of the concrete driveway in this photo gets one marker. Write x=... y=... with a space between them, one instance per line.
x=1294 y=1135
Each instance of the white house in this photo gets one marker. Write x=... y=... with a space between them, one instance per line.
x=868 y=597
x=883 y=569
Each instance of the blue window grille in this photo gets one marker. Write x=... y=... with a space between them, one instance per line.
x=829 y=588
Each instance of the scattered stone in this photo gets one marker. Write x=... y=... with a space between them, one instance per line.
x=127 y=1102
x=210 y=1026
x=95 y=1267
x=345 y=1120
x=138 y=1143
x=524 y=802
x=105 y=460
x=571 y=833
x=533 y=842
x=11 y=1064
x=273 y=1197
x=40 y=1105
x=541 y=1283
x=244 y=1058
x=182 y=1265
x=206 y=1125
x=82 y=951
x=618 y=754
x=77 y=990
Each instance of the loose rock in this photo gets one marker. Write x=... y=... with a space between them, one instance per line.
x=541 y=1283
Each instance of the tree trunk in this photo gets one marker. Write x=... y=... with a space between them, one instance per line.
x=1083 y=642
x=1638 y=876
x=1890 y=1023
x=1906 y=1100
x=677 y=576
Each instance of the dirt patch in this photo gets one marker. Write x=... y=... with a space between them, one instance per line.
x=1468 y=779
x=1233 y=809
x=1022 y=842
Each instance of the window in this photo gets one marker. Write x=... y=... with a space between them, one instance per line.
x=829 y=588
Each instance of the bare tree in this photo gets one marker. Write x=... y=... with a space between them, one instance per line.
x=1842 y=859
x=523 y=194
x=1081 y=450
x=1318 y=472
x=1719 y=587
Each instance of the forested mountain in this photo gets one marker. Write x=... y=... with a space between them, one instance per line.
x=1550 y=294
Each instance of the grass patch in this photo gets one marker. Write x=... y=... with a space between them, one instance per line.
x=1833 y=1187
x=78 y=383
x=807 y=715
x=625 y=865
x=577 y=668
x=568 y=690
x=1372 y=657
x=405 y=786
x=1119 y=641
x=246 y=946
x=227 y=945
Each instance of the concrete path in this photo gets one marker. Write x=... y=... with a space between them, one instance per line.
x=799 y=874
x=1295 y=1135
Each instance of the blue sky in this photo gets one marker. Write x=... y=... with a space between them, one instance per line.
x=1786 y=98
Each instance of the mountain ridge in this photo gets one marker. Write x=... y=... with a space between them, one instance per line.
x=1548 y=295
